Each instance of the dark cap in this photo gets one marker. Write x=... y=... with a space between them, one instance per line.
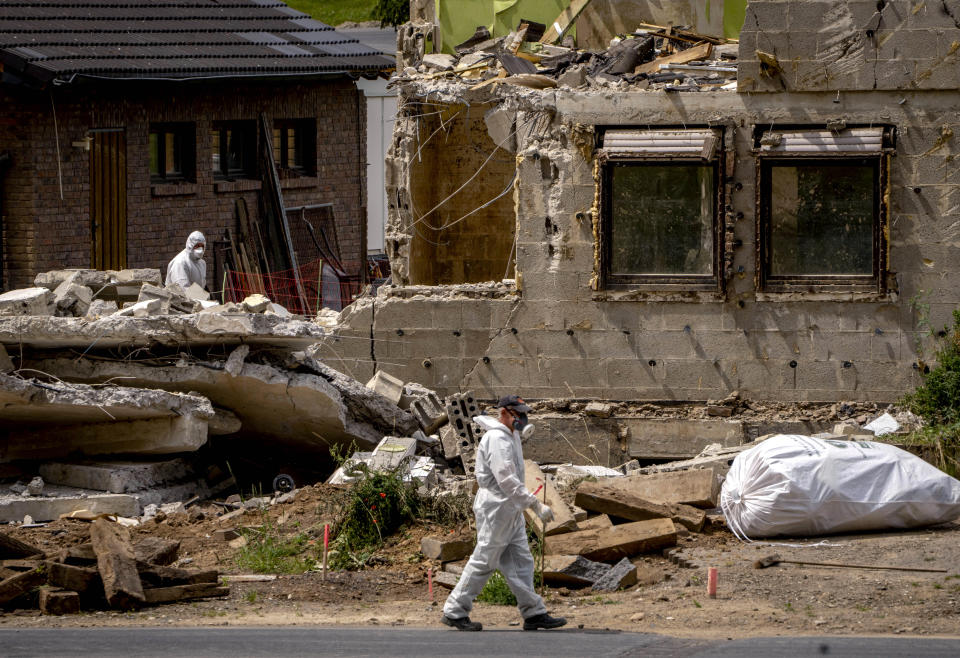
x=514 y=402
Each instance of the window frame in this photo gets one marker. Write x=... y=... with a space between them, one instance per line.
x=712 y=282
x=246 y=127
x=305 y=141
x=185 y=141
x=875 y=282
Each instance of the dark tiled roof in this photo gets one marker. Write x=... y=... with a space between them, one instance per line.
x=176 y=39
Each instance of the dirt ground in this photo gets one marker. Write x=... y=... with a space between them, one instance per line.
x=670 y=599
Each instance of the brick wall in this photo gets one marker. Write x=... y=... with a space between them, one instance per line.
x=44 y=230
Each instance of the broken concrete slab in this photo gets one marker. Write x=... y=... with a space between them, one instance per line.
x=157 y=550
x=52 y=420
x=72 y=300
x=537 y=481
x=608 y=498
x=20 y=584
x=14 y=508
x=79 y=579
x=105 y=284
x=27 y=302
x=572 y=570
x=718 y=459
x=622 y=575
x=117 y=564
x=444 y=549
x=614 y=543
x=595 y=523
x=171 y=330
x=182 y=592
x=697 y=488
x=391 y=452
x=116 y=476
x=101 y=308
x=315 y=407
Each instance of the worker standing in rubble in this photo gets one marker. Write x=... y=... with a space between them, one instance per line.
x=501 y=533
x=188 y=266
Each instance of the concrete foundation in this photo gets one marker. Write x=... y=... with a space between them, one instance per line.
x=14 y=508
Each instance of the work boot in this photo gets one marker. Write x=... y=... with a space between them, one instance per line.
x=543 y=621
x=463 y=623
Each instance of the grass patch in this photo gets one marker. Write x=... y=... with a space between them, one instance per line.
x=496 y=591
x=269 y=552
x=334 y=12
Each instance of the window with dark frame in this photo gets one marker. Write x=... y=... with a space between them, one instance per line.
x=294 y=145
x=822 y=213
x=661 y=196
x=172 y=152
x=234 y=149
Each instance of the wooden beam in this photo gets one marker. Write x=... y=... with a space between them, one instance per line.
x=607 y=499
x=566 y=18
x=693 y=54
x=612 y=544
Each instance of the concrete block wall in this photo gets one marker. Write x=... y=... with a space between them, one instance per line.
x=574 y=341
x=852 y=45
x=43 y=231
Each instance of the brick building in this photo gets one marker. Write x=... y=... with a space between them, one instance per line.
x=125 y=128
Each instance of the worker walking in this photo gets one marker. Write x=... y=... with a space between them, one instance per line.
x=501 y=533
x=188 y=266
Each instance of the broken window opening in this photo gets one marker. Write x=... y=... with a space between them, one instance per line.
x=660 y=209
x=822 y=209
x=234 y=145
x=172 y=152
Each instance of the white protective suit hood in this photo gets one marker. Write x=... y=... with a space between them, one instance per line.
x=193 y=240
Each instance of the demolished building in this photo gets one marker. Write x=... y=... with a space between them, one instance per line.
x=776 y=217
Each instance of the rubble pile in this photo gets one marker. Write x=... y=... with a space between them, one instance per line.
x=112 y=386
x=672 y=59
x=109 y=571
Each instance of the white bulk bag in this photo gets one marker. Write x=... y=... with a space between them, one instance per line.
x=798 y=485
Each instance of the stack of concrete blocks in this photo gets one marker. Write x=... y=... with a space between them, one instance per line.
x=462 y=436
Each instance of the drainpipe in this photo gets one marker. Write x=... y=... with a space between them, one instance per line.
x=4 y=164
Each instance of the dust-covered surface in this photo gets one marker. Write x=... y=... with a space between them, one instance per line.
x=670 y=599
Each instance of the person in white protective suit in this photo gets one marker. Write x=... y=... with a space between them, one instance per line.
x=501 y=532
x=188 y=266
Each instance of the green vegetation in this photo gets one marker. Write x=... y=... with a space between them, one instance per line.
x=937 y=400
x=334 y=12
x=392 y=12
x=496 y=591
x=269 y=552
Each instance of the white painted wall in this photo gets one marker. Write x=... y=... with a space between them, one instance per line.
x=381 y=113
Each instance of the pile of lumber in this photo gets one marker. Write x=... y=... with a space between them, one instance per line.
x=109 y=571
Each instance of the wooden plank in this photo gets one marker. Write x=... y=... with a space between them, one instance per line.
x=612 y=544
x=533 y=479
x=692 y=54
x=606 y=498
x=11 y=547
x=152 y=575
x=181 y=592
x=59 y=602
x=116 y=564
x=85 y=580
x=20 y=584
x=596 y=523
x=697 y=488
x=566 y=18
x=156 y=550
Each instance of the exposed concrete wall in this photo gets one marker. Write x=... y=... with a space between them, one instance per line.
x=574 y=341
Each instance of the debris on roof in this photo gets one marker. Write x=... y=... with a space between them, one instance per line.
x=651 y=57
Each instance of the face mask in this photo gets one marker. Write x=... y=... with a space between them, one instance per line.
x=198 y=252
x=527 y=431
x=520 y=421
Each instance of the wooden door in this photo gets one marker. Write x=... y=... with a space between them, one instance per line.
x=108 y=199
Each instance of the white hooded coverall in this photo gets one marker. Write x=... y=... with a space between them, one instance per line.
x=186 y=267
x=501 y=533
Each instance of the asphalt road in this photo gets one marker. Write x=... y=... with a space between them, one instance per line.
x=284 y=642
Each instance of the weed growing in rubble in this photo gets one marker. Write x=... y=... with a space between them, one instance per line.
x=380 y=502
x=267 y=551
x=496 y=591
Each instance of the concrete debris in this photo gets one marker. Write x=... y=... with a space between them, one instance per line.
x=446 y=549
x=72 y=300
x=609 y=544
x=572 y=570
x=6 y=363
x=652 y=56
x=116 y=476
x=621 y=576
x=387 y=385
x=696 y=488
x=608 y=498
x=26 y=302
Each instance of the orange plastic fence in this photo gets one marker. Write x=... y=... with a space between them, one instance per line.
x=281 y=287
